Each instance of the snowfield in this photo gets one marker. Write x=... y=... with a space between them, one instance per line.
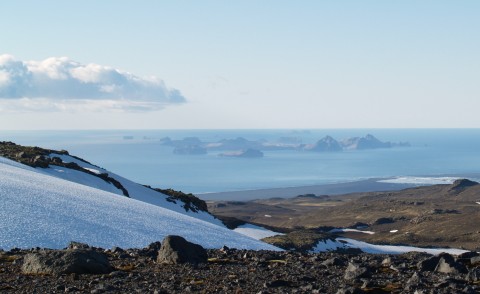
x=39 y=210
x=136 y=191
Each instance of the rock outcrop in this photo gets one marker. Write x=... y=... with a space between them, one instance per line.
x=76 y=261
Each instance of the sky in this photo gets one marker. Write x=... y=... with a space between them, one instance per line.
x=239 y=64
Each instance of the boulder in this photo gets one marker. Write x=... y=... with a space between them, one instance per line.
x=54 y=262
x=176 y=249
x=429 y=264
x=448 y=265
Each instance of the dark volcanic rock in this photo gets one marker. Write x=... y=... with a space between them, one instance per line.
x=79 y=261
x=384 y=220
x=429 y=264
x=448 y=265
x=176 y=249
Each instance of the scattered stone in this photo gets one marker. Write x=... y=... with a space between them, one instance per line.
x=258 y=272
x=176 y=249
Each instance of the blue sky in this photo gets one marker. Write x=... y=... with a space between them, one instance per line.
x=243 y=64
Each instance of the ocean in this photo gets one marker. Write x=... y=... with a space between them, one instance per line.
x=138 y=155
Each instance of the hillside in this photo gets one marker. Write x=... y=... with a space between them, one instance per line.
x=71 y=168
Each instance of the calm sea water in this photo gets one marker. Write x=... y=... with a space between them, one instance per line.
x=434 y=152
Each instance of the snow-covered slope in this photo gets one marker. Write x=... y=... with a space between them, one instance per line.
x=136 y=191
x=45 y=211
x=255 y=232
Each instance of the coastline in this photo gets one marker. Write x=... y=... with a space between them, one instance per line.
x=368 y=185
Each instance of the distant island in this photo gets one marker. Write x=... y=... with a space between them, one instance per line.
x=241 y=147
x=329 y=144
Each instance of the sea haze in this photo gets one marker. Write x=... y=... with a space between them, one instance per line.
x=139 y=156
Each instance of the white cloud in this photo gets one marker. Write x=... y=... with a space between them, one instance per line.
x=61 y=84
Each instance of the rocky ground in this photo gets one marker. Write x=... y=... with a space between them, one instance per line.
x=174 y=268
x=439 y=215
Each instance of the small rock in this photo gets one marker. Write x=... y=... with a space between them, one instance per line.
x=387 y=262
x=355 y=271
x=277 y=283
x=176 y=249
x=77 y=245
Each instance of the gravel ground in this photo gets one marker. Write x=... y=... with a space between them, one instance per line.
x=241 y=271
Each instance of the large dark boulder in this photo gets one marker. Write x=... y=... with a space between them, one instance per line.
x=176 y=249
x=54 y=262
x=429 y=264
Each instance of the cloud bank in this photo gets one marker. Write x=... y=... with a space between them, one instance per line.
x=61 y=84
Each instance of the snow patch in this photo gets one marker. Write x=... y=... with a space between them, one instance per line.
x=95 y=171
x=345 y=243
x=393 y=231
x=420 y=180
x=255 y=232
x=351 y=230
